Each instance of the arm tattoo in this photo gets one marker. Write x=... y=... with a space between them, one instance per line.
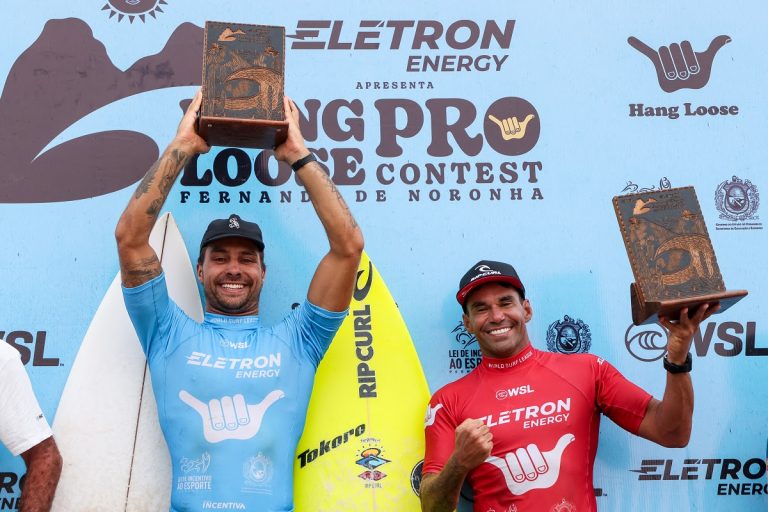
x=340 y=198
x=143 y=187
x=177 y=159
x=155 y=206
x=181 y=157
x=135 y=273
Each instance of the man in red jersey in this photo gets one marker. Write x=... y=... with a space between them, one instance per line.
x=522 y=428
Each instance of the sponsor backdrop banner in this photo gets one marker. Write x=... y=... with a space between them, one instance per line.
x=456 y=132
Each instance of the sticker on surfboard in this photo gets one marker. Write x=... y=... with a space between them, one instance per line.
x=106 y=426
x=363 y=441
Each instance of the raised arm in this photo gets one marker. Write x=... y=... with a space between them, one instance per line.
x=43 y=470
x=138 y=261
x=668 y=421
x=331 y=286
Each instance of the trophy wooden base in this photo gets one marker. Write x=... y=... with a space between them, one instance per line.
x=647 y=312
x=242 y=133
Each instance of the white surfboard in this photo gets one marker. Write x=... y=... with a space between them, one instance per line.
x=106 y=425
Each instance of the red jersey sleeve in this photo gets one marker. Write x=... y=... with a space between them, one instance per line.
x=439 y=430
x=622 y=401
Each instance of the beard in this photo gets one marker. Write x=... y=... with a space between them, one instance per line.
x=246 y=304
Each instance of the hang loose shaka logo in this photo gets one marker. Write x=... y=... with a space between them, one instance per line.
x=678 y=66
x=230 y=417
x=530 y=468
x=511 y=127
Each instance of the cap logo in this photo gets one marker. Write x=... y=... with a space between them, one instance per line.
x=484 y=271
x=233 y=224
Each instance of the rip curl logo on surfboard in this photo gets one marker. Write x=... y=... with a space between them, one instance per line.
x=371 y=458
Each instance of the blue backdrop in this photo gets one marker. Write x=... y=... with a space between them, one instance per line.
x=398 y=99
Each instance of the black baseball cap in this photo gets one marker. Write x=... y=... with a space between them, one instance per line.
x=487 y=271
x=233 y=226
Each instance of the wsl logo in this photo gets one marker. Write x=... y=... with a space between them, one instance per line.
x=646 y=342
x=737 y=201
x=503 y=394
x=569 y=336
x=725 y=339
x=133 y=9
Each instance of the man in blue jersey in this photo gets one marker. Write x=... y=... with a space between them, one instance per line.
x=232 y=395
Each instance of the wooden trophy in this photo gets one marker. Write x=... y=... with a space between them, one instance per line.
x=243 y=85
x=671 y=255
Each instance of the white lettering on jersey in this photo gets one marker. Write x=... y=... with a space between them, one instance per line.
x=503 y=394
x=245 y=367
x=224 y=505
x=533 y=415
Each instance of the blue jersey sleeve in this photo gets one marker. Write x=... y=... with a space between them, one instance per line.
x=312 y=329
x=150 y=309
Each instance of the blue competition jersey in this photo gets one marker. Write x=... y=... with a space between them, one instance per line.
x=232 y=397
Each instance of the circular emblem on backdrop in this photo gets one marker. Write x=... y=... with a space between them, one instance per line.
x=569 y=336
x=646 y=342
x=502 y=394
x=133 y=9
x=737 y=199
x=511 y=126
x=416 y=477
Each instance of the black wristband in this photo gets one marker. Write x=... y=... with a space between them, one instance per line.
x=678 y=368
x=301 y=162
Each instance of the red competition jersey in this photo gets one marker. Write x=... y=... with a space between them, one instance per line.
x=543 y=410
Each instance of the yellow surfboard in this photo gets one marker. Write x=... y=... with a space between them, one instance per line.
x=363 y=442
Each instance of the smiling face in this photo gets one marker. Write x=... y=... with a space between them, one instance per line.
x=497 y=317
x=232 y=274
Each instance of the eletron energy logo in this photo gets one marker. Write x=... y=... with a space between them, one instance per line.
x=460 y=46
x=734 y=476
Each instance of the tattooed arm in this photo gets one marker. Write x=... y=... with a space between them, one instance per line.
x=138 y=261
x=331 y=286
